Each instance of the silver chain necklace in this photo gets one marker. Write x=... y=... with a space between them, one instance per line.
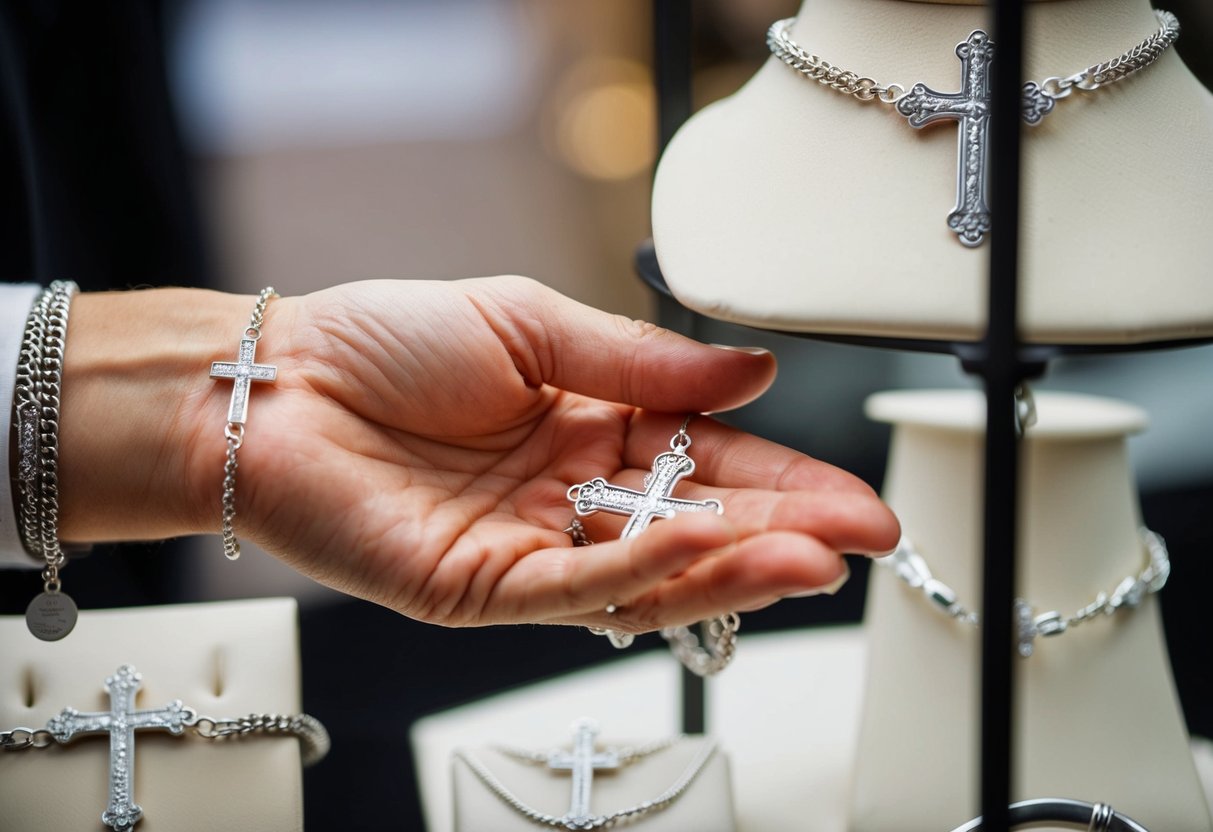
x=912 y=569
x=970 y=107
x=582 y=761
x=711 y=651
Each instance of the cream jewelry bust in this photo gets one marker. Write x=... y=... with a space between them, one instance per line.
x=790 y=206
x=1096 y=712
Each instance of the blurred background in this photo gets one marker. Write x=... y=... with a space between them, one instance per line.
x=303 y=143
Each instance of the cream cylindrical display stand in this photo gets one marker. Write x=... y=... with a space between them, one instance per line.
x=224 y=660
x=790 y=206
x=1096 y=713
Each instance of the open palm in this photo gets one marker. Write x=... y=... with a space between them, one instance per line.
x=425 y=435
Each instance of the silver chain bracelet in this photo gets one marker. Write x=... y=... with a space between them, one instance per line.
x=242 y=372
x=122 y=720
x=52 y=614
x=912 y=569
x=970 y=107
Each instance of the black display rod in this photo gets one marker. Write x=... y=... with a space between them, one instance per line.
x=672 y=73
x=1002 y=371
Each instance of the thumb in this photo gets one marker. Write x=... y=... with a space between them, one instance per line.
x=556 y=340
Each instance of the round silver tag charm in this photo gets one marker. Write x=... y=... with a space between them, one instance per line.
x=51 y=615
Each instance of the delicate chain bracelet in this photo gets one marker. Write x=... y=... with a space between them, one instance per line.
x=243 y=372
x=51 y=615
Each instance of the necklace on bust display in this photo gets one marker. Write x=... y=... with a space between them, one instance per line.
x=582 y=761
x=970 y=107
x=912 y=569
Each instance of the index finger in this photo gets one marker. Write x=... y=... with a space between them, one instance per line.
x=730 y=458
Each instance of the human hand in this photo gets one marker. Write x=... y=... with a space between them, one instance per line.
x=419 y=442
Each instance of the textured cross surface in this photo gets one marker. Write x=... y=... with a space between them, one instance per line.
x=243 y=372
x=970 y=219
x=642 y=506
x=582 y=761
x=121 y=722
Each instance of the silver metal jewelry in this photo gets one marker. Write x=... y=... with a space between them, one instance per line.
x=912 y=569
x=122 y=720
x=244 y=371
x=52 y=614
x=970 y=107
x=719 y=641
x=582 y=761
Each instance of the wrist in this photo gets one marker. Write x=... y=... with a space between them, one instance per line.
x=136 y=407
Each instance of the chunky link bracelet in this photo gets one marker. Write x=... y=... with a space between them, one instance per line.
x=52 y=614
x=912 y=569
x=122 y=720
x=970 y=107
x=243 y=372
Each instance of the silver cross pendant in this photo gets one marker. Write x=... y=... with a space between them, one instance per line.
x=970 y=108
x=582 y=761
x=121 y=722
x=642 y=507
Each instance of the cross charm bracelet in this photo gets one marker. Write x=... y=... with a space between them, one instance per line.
x=122 y=720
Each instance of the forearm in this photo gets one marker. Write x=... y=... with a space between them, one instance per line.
x=135 y=401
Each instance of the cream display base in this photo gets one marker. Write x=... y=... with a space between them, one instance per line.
x=225 y=660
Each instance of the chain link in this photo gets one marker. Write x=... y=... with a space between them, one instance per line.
x=711 y=654
x=313 y=737
x=863 y=88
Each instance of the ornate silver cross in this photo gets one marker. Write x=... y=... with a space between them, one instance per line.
x=243 y=372
x=970 y=219
x=582 y=760
x=121 y=722
x=655 y=501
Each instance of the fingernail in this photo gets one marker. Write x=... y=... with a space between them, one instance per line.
x=828 y=589
x=747 y=350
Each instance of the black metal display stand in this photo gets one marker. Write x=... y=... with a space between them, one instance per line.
x=999 y=360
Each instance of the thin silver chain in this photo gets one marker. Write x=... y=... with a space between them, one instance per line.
x=234 y=433
x=863 y=88
x=313 y=737
x=626 y=754
x=628 y=815
x=913 y=570
x=38 y=385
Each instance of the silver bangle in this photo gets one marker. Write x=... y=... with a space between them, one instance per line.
x=122 y=720
x=242 y=372
x=51 y=615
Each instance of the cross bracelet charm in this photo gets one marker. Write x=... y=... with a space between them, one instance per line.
x=243 y=372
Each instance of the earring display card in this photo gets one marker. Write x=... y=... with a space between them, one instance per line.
x=222 y=659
